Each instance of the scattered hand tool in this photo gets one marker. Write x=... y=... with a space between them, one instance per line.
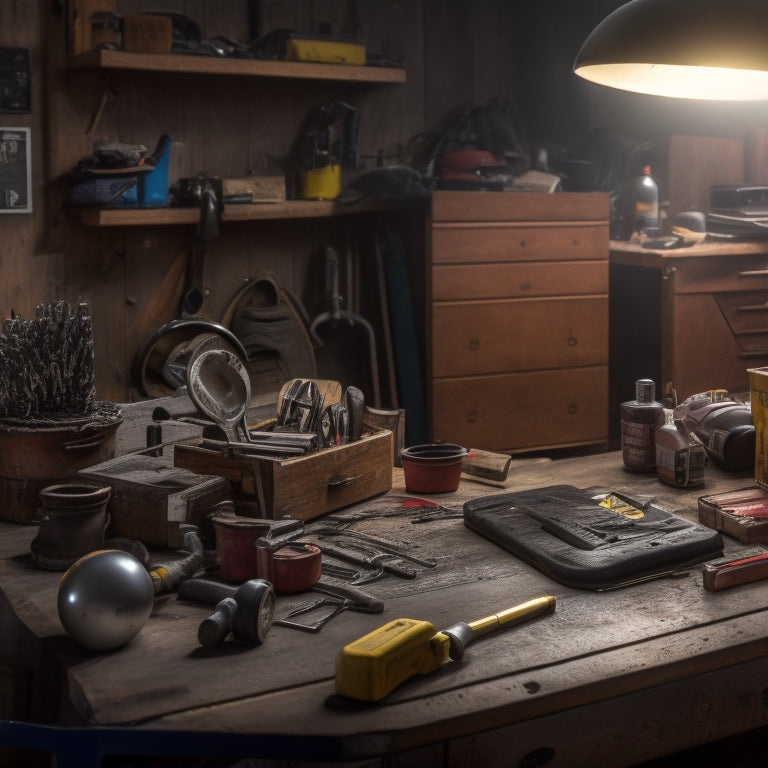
x=374 y=665
x=337 y=599
x=384 y=545
x=340 y=572
x=168 y=575
x=425 y=510
x=377 y=562
x=248 y=610
x=421 y=510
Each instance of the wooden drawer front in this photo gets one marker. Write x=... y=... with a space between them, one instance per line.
x=502 y=281
x=550 y=241
x=522 y=411
x=519 y=206
x=703 y=351
x=727 y=273
x=502 y=336
x=746 y=311
x=746 y=314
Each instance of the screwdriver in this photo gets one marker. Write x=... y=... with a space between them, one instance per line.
x=372 y=666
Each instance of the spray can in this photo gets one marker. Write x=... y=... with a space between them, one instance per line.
x=646 y=205
x=639 y=420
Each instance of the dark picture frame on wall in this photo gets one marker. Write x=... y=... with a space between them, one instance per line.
x=15 y=170
x=15 y=80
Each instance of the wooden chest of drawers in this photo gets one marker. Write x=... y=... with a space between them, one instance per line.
x=518 y=320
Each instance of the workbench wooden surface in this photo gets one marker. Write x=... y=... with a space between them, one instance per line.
x=610 y=678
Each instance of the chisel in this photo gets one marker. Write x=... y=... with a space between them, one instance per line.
x=374 y=665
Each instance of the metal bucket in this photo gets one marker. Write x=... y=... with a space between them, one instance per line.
x=35 y=453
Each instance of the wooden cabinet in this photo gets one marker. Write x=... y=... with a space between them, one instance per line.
x=692 y=319
x=518 y=320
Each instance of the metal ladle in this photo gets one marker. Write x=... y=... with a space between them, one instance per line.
x=219 y=385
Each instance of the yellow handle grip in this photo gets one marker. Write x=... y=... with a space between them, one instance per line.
x=375 y=664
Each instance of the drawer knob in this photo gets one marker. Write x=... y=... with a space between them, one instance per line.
x=471 y=417
x=526 y=286
x=572 y=341
x=474 y=345
x=573 y=409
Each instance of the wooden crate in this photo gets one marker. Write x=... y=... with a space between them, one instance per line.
x=303 y=487
x=151 y=497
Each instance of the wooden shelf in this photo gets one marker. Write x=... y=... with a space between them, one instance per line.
x=291 y=209
x=106 y=59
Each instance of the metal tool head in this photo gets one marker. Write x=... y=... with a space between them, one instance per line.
x=219 y=386
x=300 y=405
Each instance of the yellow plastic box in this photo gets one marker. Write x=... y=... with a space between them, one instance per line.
x=758 y=386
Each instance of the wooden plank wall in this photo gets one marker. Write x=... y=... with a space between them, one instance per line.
x=458 y=53
x=133 y=279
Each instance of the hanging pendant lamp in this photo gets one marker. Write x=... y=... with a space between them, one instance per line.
x=693 y=49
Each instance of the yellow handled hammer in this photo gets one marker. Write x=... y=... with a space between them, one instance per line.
x=374 y=665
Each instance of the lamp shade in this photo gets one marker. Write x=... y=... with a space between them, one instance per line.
x=695 y=49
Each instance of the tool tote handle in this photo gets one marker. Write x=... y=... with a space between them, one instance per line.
x=517 y=613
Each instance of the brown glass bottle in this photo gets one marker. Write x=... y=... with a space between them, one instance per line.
x=639 y=420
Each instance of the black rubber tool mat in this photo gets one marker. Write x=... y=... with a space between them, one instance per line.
x=591 y=540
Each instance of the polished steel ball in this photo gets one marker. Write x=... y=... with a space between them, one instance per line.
x=105 y=598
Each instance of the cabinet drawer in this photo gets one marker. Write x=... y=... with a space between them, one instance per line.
x=518 y=335
x=728 y=273
x=522 y=411
x=703 y=352
x=746 y=314
x=501 y=281
x=450 y=205
x=746 y=311
x=454 y=243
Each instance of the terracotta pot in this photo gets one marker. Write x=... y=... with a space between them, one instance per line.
x=432 y=468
